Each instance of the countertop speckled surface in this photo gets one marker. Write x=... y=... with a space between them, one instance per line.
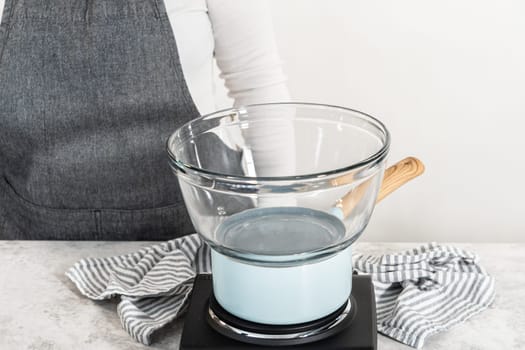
x=40 y=309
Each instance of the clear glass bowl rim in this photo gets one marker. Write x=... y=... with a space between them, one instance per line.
x=183 y=167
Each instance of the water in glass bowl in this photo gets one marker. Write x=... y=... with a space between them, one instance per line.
x=279 y=231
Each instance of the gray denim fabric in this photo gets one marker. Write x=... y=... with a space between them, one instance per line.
x=89 y=92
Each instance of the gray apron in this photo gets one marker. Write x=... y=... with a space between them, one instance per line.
x=89 y=92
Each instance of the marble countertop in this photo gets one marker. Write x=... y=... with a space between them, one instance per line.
x=40 y=308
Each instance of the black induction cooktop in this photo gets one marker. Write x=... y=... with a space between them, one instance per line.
x=360 y=334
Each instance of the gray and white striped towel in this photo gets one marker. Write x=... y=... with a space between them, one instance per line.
x=153 y=283
x=426 y=290
x=418 y=293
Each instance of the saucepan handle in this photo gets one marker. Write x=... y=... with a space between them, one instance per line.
x=395 y=176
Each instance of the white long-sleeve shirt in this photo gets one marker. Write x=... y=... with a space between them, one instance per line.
x=240 y=36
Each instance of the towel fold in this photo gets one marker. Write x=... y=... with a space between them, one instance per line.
x=153 y=283
x=426 y=290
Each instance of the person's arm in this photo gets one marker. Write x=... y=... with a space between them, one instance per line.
x=247 y=55
x=246 y=51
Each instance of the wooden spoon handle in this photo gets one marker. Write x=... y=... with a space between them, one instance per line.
x=394 y=177
x=399 y=174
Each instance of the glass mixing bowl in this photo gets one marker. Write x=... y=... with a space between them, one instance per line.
x=280 y=191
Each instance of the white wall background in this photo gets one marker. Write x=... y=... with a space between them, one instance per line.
x=448 y=79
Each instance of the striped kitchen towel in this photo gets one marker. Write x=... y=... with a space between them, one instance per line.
x=153 y=283
x=426 y=290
